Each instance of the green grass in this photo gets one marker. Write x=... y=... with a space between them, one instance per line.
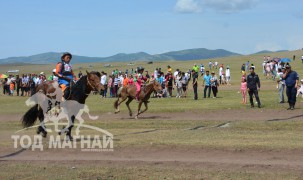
x=149 y=171
x=241 y=134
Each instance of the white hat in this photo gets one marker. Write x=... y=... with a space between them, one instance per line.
x=54 y=70
x=301 y=80
x=42 y=73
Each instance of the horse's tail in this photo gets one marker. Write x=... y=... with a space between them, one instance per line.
x=30 y=117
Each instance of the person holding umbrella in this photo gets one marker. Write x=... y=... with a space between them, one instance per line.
x=291 y=81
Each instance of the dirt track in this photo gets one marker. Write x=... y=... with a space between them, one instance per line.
x=175 y=156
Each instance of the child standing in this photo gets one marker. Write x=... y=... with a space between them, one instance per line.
x=243 y=90
x=12 y=87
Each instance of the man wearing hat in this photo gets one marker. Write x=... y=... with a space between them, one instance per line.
x=65 y=74
x=253 y=86
x=291 y=81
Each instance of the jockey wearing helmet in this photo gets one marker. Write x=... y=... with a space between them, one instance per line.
x=139 y=80
x=65 y=74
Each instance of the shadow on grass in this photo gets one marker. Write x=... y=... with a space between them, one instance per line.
x=149 y=117
x=285 y=119
x=13 y=154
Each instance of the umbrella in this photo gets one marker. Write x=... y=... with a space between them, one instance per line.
x=277 y=59
x=3 y=76
x=285 y=60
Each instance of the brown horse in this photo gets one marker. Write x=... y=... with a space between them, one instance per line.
x=79 y=93
x=130 y=93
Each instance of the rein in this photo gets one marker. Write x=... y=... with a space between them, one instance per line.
x=91 y=86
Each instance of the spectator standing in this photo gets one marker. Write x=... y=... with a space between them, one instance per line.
x=214 y=84
x=179 y=85
x=156 y=73
x=206 y=84
x=104 y=83
x=110 y=86
x=169 y=70
x=18 y=84
x=243 y=69
x=202 y=69
x=169 y=84
x=243 y=90
x=216 y=64
x=247 y=66
x=12 y=87
x=79 y=74
x=291 y=81
x=184 y=83
x=281 y=84
x=227 y=74
x=253 y=86
x=196 y=68
x=221 y=73
x=131 y=80
x=210 y=64
x=195 y=84
x=116 y=85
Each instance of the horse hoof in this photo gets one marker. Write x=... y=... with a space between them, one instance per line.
x=44 y=134
x=130 y=115
x=39 y=130
x=69 y=138
x=136 y=117
x=59 y=133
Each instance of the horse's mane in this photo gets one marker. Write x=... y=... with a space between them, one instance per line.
x=79 y=87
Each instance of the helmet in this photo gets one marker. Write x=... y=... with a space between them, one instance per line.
x=66 y=54
x=54 y=70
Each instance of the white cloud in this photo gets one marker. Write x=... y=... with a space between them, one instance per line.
x=222 y=6
x=188 y=6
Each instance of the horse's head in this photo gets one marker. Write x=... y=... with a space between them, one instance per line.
x=93 y=80
x=157 y=87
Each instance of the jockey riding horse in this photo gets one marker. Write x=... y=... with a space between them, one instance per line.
x=140 y=80
x=65 y=74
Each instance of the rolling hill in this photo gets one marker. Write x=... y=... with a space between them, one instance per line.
x=189 y=54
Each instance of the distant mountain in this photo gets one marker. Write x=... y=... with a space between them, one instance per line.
x=201 y=53
x=183 y=55
x=267 y=52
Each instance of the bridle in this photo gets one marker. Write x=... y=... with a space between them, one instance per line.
x=91 y=86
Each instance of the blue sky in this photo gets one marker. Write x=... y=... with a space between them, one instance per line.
x=103 y=28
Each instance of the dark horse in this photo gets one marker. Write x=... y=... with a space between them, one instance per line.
x=79 y=93
x=129 y=92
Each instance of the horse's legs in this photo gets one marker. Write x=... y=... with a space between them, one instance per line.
x=41 y=128
x=81 y=120
x=127 y=104
x=67 y=130
x=71 y=125
x=118 y=103
x=146 y=107
x=139 y=107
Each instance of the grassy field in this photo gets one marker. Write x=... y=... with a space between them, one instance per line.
x=248 y=130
